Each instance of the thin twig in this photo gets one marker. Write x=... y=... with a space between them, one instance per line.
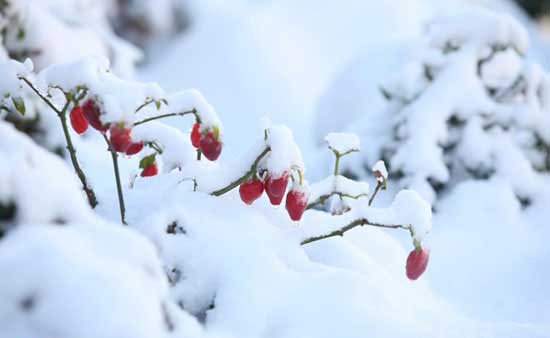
x=114 y=157
x=144 y=104
x=348 y=227
x=336 y=163
x=193 y=111
x=48 y=102
x=243 y=178
x=378 y=186
x=323 y=198
x=61 y=114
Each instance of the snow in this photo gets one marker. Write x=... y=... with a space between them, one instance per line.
x=176 y=147
x=103 y=86
x=469 y=137
x=22 y=181
x=11 y=71
x=338 y=185
x=185 y=101
x=380 y=170
x=284 y=153
x=502 y=69
x=484 y=28
x=342 y=143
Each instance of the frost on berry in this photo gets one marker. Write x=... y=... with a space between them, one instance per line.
x=120 y=138
x=275 y=187
x=210 y=146
x=251 y=190
x=296 y=201
x=91 y=112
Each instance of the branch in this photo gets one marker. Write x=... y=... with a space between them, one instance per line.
x=323 y=198
x=193 y=111
x=378 y=186
x=348 y=227
x=48 y=102
x=114 y=157
x=144 y=104
x=90 y=194
x=243 y=178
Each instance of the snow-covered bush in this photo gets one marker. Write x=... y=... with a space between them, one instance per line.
x=465 y=104
x=89 y=101
x=52 y=31
x=66 y=271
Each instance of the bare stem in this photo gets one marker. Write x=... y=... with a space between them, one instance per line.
x=323 y=198
x=61 y=114
x=48 y=102
x=336 y=164
x=358 y=222
x=193 y=111
x=114 y=157
x=243 y=178
x=378 y=186
x=144 y=104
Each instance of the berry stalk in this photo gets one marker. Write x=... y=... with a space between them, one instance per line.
x=193 y=111
x=243 y=178
x=358 y=222
x=114 y=157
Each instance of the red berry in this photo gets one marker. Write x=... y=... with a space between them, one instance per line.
x=210 y=146
x=79 y=123
x=91 y=112
x=251 y=190
x=196 y=135
x=275 y=187
x=417 y=263
x=120 y=138
x=134 y=148
x=296 y=203
x=149 y=170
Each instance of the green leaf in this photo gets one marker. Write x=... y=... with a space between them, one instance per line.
x=216 y=132
x=19 y=104
x=150 y=159
x=20 y=34
x=164 y=101
x=157 y=104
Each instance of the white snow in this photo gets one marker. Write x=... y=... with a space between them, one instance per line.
x=338 y=185
x=465 y=128
x=284 y=154
x=343 y=143
x=380 y=168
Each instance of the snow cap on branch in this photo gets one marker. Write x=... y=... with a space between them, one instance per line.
x=284 y=153
x=343 y=143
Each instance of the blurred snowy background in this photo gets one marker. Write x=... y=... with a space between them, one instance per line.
x=318 y=67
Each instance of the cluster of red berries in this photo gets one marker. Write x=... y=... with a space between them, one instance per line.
x=208 y=141
x=417 y=262
x=275 y=188
x=119 y=135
